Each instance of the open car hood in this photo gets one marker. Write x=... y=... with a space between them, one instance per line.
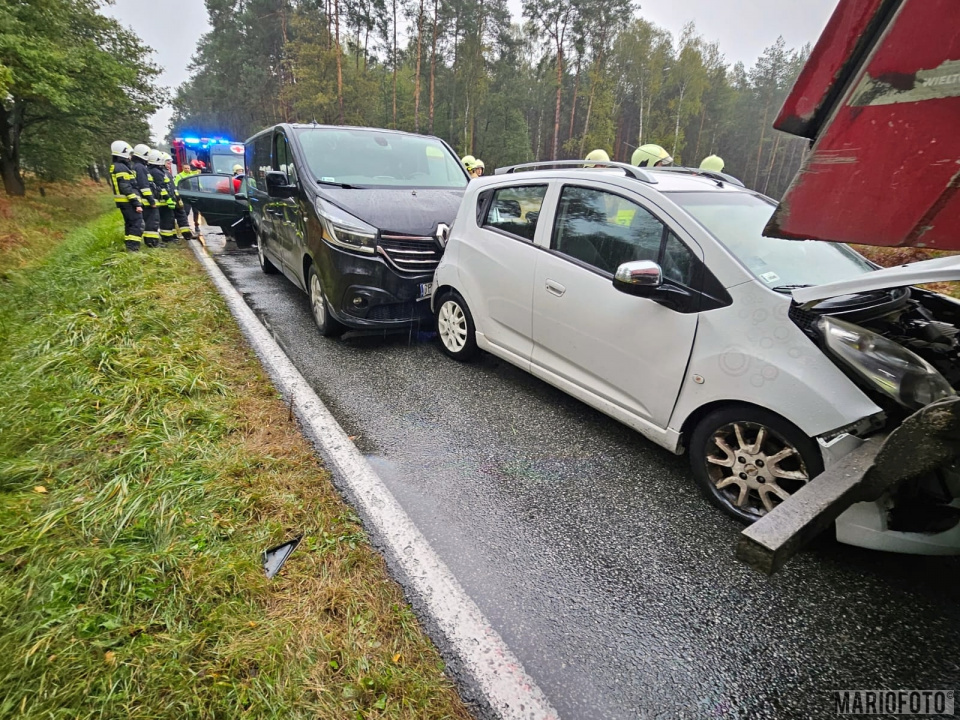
x=944 y=269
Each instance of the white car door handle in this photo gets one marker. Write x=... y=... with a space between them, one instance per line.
x=555 y=288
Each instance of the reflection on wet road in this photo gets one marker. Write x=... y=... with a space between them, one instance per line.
x=592 y=554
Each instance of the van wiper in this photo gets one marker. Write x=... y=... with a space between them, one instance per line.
x=339 y=185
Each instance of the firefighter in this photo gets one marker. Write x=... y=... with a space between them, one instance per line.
x=237 y=178
x=175 y=202
x=123 y=180
x=713 y=163
x=473 y=165
x=158 y=178
x=183 y=222
x=650 y=156
x=598 y=155
x=151 y=211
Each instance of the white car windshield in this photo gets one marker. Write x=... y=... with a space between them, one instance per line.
x=737 y=221
x=367 y=158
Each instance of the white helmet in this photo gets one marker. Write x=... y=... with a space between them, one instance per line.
x=140 y=151
x=167 y=157
x=238 y=169
x=155 y=157
x=121 y=148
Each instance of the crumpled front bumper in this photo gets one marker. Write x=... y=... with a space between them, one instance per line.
x=857 y=488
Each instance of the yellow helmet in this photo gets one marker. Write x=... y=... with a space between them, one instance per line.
x=237 y=169
x=599 y=155
x=713 y=163
x=468 y=162
x=650 y=156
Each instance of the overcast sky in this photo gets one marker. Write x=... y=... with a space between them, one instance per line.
x=743 y=28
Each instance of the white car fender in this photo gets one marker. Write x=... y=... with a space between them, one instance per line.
x=752 y=352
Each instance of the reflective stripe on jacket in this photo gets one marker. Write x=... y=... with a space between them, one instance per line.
x=143 y=182
x=123 y=180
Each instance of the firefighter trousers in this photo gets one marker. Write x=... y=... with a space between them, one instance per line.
x=183 y=222
x=168 y=232
x=151 y=225
x=132 y=223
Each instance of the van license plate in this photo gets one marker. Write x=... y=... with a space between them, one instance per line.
x=426 y=289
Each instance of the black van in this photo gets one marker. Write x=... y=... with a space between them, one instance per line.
x=354 y=217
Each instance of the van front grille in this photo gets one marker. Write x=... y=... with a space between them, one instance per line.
x=410 y=253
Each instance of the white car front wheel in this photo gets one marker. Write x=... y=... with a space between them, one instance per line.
x=455 y=327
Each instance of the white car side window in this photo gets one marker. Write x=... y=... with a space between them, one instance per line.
x=605 y=230
x=515 y=210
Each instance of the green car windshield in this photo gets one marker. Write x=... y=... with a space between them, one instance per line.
x=737 y=221
x=369 y=158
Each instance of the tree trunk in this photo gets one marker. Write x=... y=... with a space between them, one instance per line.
x=763 y=126
x=573 y=107
x=11 y=125
x=703 y=115
x=394 y=64
x=416 y=90
x=336 y=23
x=586 y=122
x=556 y=117
x=433 y=61
x=640 y=132
x=773 y=157
x=676 y=132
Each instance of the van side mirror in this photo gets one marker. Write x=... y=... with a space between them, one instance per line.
x=278 y=185
x=640 y=277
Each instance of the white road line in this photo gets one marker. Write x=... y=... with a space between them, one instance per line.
x=482 y=652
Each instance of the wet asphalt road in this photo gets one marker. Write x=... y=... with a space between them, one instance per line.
x=590 y=551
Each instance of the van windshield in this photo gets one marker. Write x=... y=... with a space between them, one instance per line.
x=379 y=159
x=737 y=220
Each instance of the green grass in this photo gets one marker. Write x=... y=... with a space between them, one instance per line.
x=145 y=463
x=33 y=225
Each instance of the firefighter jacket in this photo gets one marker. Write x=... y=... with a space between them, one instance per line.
x=143 y=183
x=172 y=191
x=123 y=181
x=158 y=181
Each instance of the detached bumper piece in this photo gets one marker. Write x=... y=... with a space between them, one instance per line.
x=926 y=442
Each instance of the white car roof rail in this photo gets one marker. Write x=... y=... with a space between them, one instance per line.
x=631 y=170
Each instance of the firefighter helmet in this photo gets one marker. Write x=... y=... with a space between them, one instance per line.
x=599 y=155
x=714 y=163
x=140 y=151
x=650 y=156
x=120 y=148
x=468 y=162
x=155 y=157
x=167 y=157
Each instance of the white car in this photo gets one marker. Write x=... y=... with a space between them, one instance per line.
x=652 y=296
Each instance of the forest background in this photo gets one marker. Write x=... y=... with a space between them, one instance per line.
x=573 y=76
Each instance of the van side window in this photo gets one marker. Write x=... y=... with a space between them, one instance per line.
x=515 y=210
x=261 y=162
x=605 y=230
x=283 y=159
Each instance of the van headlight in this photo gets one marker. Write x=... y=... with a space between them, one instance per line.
x=891 y=368
x=346 y=231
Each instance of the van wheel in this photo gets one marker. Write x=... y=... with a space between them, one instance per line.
x=326 y=323
x=268 y=267
x=746 y=461
x=458 y=335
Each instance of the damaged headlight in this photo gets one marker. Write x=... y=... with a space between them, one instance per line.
x=888 y=366
x=346 y=231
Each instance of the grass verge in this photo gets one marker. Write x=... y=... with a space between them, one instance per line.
x=33 y=225
x=145 y=463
